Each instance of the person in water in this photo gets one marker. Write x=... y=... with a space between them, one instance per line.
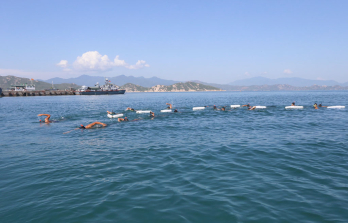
x=322 y=106
x=87 y=126
x=176 y=110
x=130 y=109
x=170 y=106
x=214 y=107
x=315 y=106
x=152 y=114
x=223 y=109
x=47 y=119
x=125 y=119
x=293 y=104
x=247 y=105
x=91 y=125
x=251 y=108
x=110 y=113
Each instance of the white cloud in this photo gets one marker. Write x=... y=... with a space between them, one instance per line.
x=118 y=62
x=247 y=74
x=63 y=63
x=138 y=65
x=94 y=61
x=287 y=71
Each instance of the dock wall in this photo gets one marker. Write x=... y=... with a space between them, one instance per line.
x=36 y=93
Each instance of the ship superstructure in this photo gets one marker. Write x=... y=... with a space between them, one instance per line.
x=107 y=88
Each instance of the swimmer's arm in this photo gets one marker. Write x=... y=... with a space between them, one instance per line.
x=70 y=131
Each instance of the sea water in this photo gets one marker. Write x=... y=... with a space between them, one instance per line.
x=267 y=165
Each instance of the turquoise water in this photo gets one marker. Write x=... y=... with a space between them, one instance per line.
x=271 y=165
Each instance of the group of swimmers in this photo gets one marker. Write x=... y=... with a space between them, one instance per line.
x=152 y=114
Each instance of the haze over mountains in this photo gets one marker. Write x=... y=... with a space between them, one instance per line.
x=150 y=82
x=118 y=80
x=293 y=81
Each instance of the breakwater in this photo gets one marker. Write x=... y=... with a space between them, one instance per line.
x=37 y=93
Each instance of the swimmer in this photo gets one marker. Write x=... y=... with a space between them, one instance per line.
x=130 y=109
x=223 y=109
x=92 y=124
x=125 y=119
x=88 y=126
x=214 y=107
x=315 y=106
x=252 y=108
x=322 y=106
x=47 y=119
x=170 y=106
x=293 y=104
x=247 y=105
x=152 y=114
x=110 y=113
x=176 y=110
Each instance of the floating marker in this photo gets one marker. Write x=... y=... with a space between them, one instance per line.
x=145 y=111
x=294 y=107
x=115 y=115
x=198 y=108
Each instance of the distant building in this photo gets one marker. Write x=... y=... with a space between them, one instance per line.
x=23 y=87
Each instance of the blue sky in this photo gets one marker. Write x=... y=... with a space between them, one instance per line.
x=212 y=41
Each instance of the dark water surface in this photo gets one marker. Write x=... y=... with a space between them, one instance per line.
x=270 y=165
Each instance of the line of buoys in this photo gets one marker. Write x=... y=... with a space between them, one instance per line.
x=232 y=106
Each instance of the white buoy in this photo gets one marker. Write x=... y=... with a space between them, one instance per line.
x=235 y=106
x=337 y=106
x=143 y=111
x=260 y=107
x=166 y=110
x=294 y=107
x=115 y=115
x=198 y=108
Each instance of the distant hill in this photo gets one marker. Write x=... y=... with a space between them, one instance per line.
x=178 y=87
x=7 y=81
x=294 y=81
x=119 y=80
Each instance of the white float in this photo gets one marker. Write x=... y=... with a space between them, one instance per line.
x=235 y=106
x=143 y=111
x=198 y=108
x=294 y=107
x=337 y=106
x=166 y=110
x=260 y=107
x=115 y=115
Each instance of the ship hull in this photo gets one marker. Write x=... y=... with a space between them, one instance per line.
x=99 y=92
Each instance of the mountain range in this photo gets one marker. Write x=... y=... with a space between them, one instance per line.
x=293 y=81
x=118 y=80
x=149 y=82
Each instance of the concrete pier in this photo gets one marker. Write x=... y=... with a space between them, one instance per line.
x=36 y=93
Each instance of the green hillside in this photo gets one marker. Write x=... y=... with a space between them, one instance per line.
x=187 y=86
x=7 y=81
